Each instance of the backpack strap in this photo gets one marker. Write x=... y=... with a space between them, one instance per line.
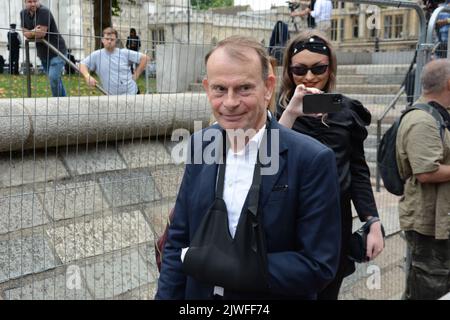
x=431 y=111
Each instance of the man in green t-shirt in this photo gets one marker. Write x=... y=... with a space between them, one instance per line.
x=424 y=158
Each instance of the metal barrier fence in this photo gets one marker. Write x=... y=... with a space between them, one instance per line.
x=87 y=181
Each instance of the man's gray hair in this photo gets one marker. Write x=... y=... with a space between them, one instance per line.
x=435 y=75
x=234 y=46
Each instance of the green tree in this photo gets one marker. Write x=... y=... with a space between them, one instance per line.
x=206 y=4
x=103 y=12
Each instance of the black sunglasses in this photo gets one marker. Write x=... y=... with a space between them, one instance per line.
x=302 y=70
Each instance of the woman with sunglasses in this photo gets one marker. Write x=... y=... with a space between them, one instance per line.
x=309 y=67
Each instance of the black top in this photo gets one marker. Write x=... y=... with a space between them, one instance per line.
x=133 y=43
x=13 y=41
x=345 y=136
x=44 y=17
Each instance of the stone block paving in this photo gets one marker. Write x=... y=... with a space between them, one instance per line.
x=91 y=159
x=72 y=199
x=144 y=153
x=116 y=273
x=168 y=180
x=55 y=287
x=30 y=168
x=25 y=255
x=129 y=188
x=20 y=209
x=89 y=237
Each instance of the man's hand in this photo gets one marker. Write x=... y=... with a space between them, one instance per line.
x=442 y=22
x=375 y=241
x=91 y=82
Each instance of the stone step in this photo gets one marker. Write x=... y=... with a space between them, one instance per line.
x=370 y=79
x=373 y=173
x=385 y=99
x=380 y=89
x=376 y=110
x=371 y=154
x=372 y=129
x=376 y=69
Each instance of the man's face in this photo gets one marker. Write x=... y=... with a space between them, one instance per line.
x=109 y=41
x=236 y=90
x=32 y=5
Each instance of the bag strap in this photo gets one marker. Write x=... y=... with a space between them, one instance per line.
x=253 y=193
x=431 y=111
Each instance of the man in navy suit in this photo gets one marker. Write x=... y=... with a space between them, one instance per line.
x=298 y=195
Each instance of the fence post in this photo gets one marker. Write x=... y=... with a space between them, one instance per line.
x=27 y=67
x=377 y=172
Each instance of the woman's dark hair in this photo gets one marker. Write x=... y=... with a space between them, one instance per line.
x=287 y=83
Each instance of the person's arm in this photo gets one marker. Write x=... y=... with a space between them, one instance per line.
x=424 y=148
x=85 y=73
x=141 y=67
x=29 y=34
x=172 y=279
x=442 y=22
x=313 y=261
x=300 y=13
x=295 y=106
x=442 y=174
x=360 y=187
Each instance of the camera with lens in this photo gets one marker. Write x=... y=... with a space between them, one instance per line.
x=293 y=5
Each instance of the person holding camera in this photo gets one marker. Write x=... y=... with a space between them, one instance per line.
x=305 y=12
x=320 y=11
x=309 y=67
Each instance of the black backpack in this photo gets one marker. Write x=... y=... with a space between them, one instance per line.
x=386 y=155
x=278 y=40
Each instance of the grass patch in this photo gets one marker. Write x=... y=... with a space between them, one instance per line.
x=15 y=86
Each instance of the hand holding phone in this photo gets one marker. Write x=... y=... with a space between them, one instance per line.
x=322 y=103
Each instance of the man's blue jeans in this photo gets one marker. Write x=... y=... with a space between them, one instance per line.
x=54 y=71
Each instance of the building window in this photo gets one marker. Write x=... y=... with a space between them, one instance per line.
x=158 y=37
x=398 y=26
x=337 y=29
x=393 y=27
x=338 y=5
x=334 y=29
x=355 y=26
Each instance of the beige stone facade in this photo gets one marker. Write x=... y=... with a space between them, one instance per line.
x=355 y=27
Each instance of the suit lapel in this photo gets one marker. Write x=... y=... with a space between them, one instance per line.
x=269 y=181
x=208 y=174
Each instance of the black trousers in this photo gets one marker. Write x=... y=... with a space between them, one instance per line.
x=428 y=276
x=14 y=62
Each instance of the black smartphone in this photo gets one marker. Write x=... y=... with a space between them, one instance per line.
x=322 y=103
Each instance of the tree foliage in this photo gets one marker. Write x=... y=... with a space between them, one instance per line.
x=206 y=4
x=103 y=12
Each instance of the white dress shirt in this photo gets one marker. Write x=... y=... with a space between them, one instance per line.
x=322 y=10
x=238 y=178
